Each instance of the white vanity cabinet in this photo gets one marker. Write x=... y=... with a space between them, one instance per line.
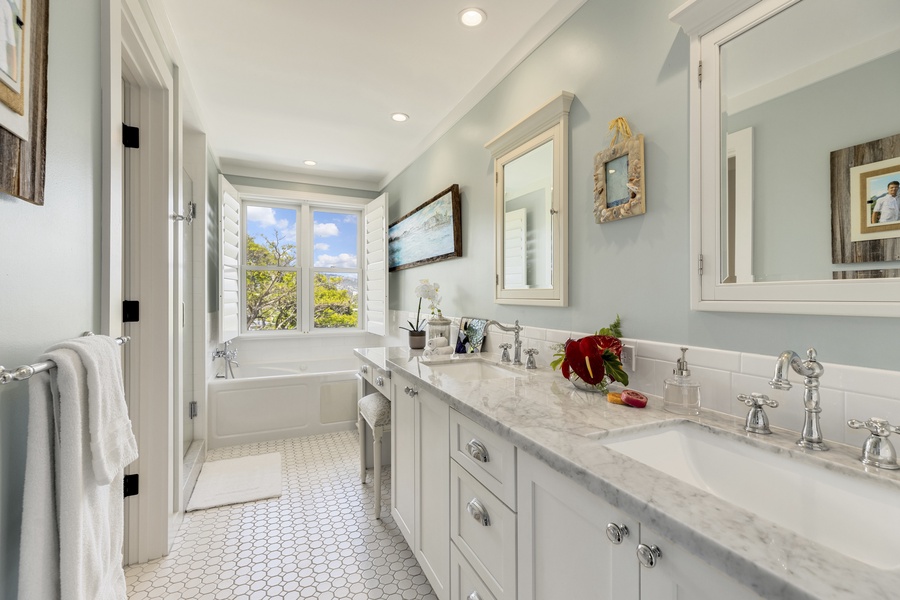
x=567 y=548
x=680 y=574
x=563 y=547
x=482 y=508
x=420 y=480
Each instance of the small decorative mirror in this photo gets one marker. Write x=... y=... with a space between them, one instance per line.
x=531 y=170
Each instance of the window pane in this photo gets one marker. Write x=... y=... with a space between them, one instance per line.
x=271 y=300
x=335 y=239
x=336 y=300
x=271 y=236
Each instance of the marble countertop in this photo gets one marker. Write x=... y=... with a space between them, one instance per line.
x=544 y=415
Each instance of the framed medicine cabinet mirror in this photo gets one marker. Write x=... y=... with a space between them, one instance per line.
x=531 y=173
x=795 y=139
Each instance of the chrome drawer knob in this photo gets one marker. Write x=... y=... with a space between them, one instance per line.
x=364 y=369
x=410 y=391
x=379 y=381
x=648 y=555
x=616 y=533
x=473 y=596
x=477 y=451
x=478 y=512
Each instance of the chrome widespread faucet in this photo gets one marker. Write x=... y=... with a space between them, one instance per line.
x=811 y=370
x=517 y=343
x=228 y=355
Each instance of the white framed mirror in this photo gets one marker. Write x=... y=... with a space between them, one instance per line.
x=531 y=170
x=780 y=91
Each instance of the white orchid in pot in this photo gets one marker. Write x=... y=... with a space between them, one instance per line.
x=424 y=291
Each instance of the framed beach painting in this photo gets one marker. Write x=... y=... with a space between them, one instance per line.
x=430 y=233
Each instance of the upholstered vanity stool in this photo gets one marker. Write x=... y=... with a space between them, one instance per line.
x=375 y=410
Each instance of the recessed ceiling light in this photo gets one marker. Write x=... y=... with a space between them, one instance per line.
x=310 y=163
x=400 y=117
x=472 y=17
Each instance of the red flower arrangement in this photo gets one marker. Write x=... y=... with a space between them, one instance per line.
x=593 y=361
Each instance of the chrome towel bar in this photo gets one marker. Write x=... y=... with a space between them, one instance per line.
x=26 y=371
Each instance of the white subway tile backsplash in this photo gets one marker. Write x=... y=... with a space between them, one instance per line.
x=715 y=388
x=846 y=392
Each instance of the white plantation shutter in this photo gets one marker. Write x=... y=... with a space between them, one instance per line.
x=376 y=270
x=229 y=261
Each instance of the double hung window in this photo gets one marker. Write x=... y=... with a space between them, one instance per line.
x=300 y=267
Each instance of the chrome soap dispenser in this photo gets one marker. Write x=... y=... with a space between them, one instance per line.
x=681 y=394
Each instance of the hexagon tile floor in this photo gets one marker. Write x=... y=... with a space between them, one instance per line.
x=318 y=540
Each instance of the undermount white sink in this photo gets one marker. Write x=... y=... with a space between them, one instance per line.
x=857 y=518
x=469 y=369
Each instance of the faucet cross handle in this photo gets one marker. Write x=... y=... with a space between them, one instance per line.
x=529 y=362
x=878 y=451
x=877 y=426
x=504 y=357
x=757 y=420
x=756 y=400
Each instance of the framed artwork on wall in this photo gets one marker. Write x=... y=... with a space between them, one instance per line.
x=430 y=233
x=865 y=204
x=619 y=176
x=23 y=97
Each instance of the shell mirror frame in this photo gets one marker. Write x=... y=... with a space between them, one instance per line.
x=781 y=90
x=531 y=170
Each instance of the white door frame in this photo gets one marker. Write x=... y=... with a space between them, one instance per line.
x=128 y=40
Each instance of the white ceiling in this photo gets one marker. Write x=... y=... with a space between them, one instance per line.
x=277 y=82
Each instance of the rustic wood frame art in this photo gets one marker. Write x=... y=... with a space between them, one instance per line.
x=430 y=233
x=853 y=238
x=23 y=161
x=626 y=161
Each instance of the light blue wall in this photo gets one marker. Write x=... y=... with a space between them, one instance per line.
x=619 y=59
x=50 y=255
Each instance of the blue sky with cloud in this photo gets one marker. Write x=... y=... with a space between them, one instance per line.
x=335 y=235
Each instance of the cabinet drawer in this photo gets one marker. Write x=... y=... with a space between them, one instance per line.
x=484 y=530
x=465 y=584
x=377 y=379
x=486 y=455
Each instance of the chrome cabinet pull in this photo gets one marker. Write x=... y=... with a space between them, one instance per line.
x=410 y=391
x=477 y=451
x=478 y=512
x=616 y=533
x=379 y=381
x=473 y=596
x=648 y=555
x=364 y=369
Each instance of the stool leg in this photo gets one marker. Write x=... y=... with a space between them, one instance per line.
x=376 y=449
x=361 y=427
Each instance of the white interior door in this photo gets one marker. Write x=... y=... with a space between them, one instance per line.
x=185 y=323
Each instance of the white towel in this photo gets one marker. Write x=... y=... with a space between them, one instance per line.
x=438 y=342
x=89 y=512
x=436 y=351
x=39 y=548
x=113 y=445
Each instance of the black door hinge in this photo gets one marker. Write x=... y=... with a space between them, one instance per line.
x=131 y=485
x=131 y=311
x=131 y=136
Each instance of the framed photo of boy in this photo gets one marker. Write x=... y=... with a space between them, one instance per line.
x=875 y=200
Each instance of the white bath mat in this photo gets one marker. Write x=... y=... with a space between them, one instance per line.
x=235 y=480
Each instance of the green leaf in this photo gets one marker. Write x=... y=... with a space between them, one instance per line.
x=614 y=329
x=614 y=367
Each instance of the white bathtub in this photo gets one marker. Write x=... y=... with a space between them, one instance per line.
x=281 y=400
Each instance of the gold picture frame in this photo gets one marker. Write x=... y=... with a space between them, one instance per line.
x=619 y=181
